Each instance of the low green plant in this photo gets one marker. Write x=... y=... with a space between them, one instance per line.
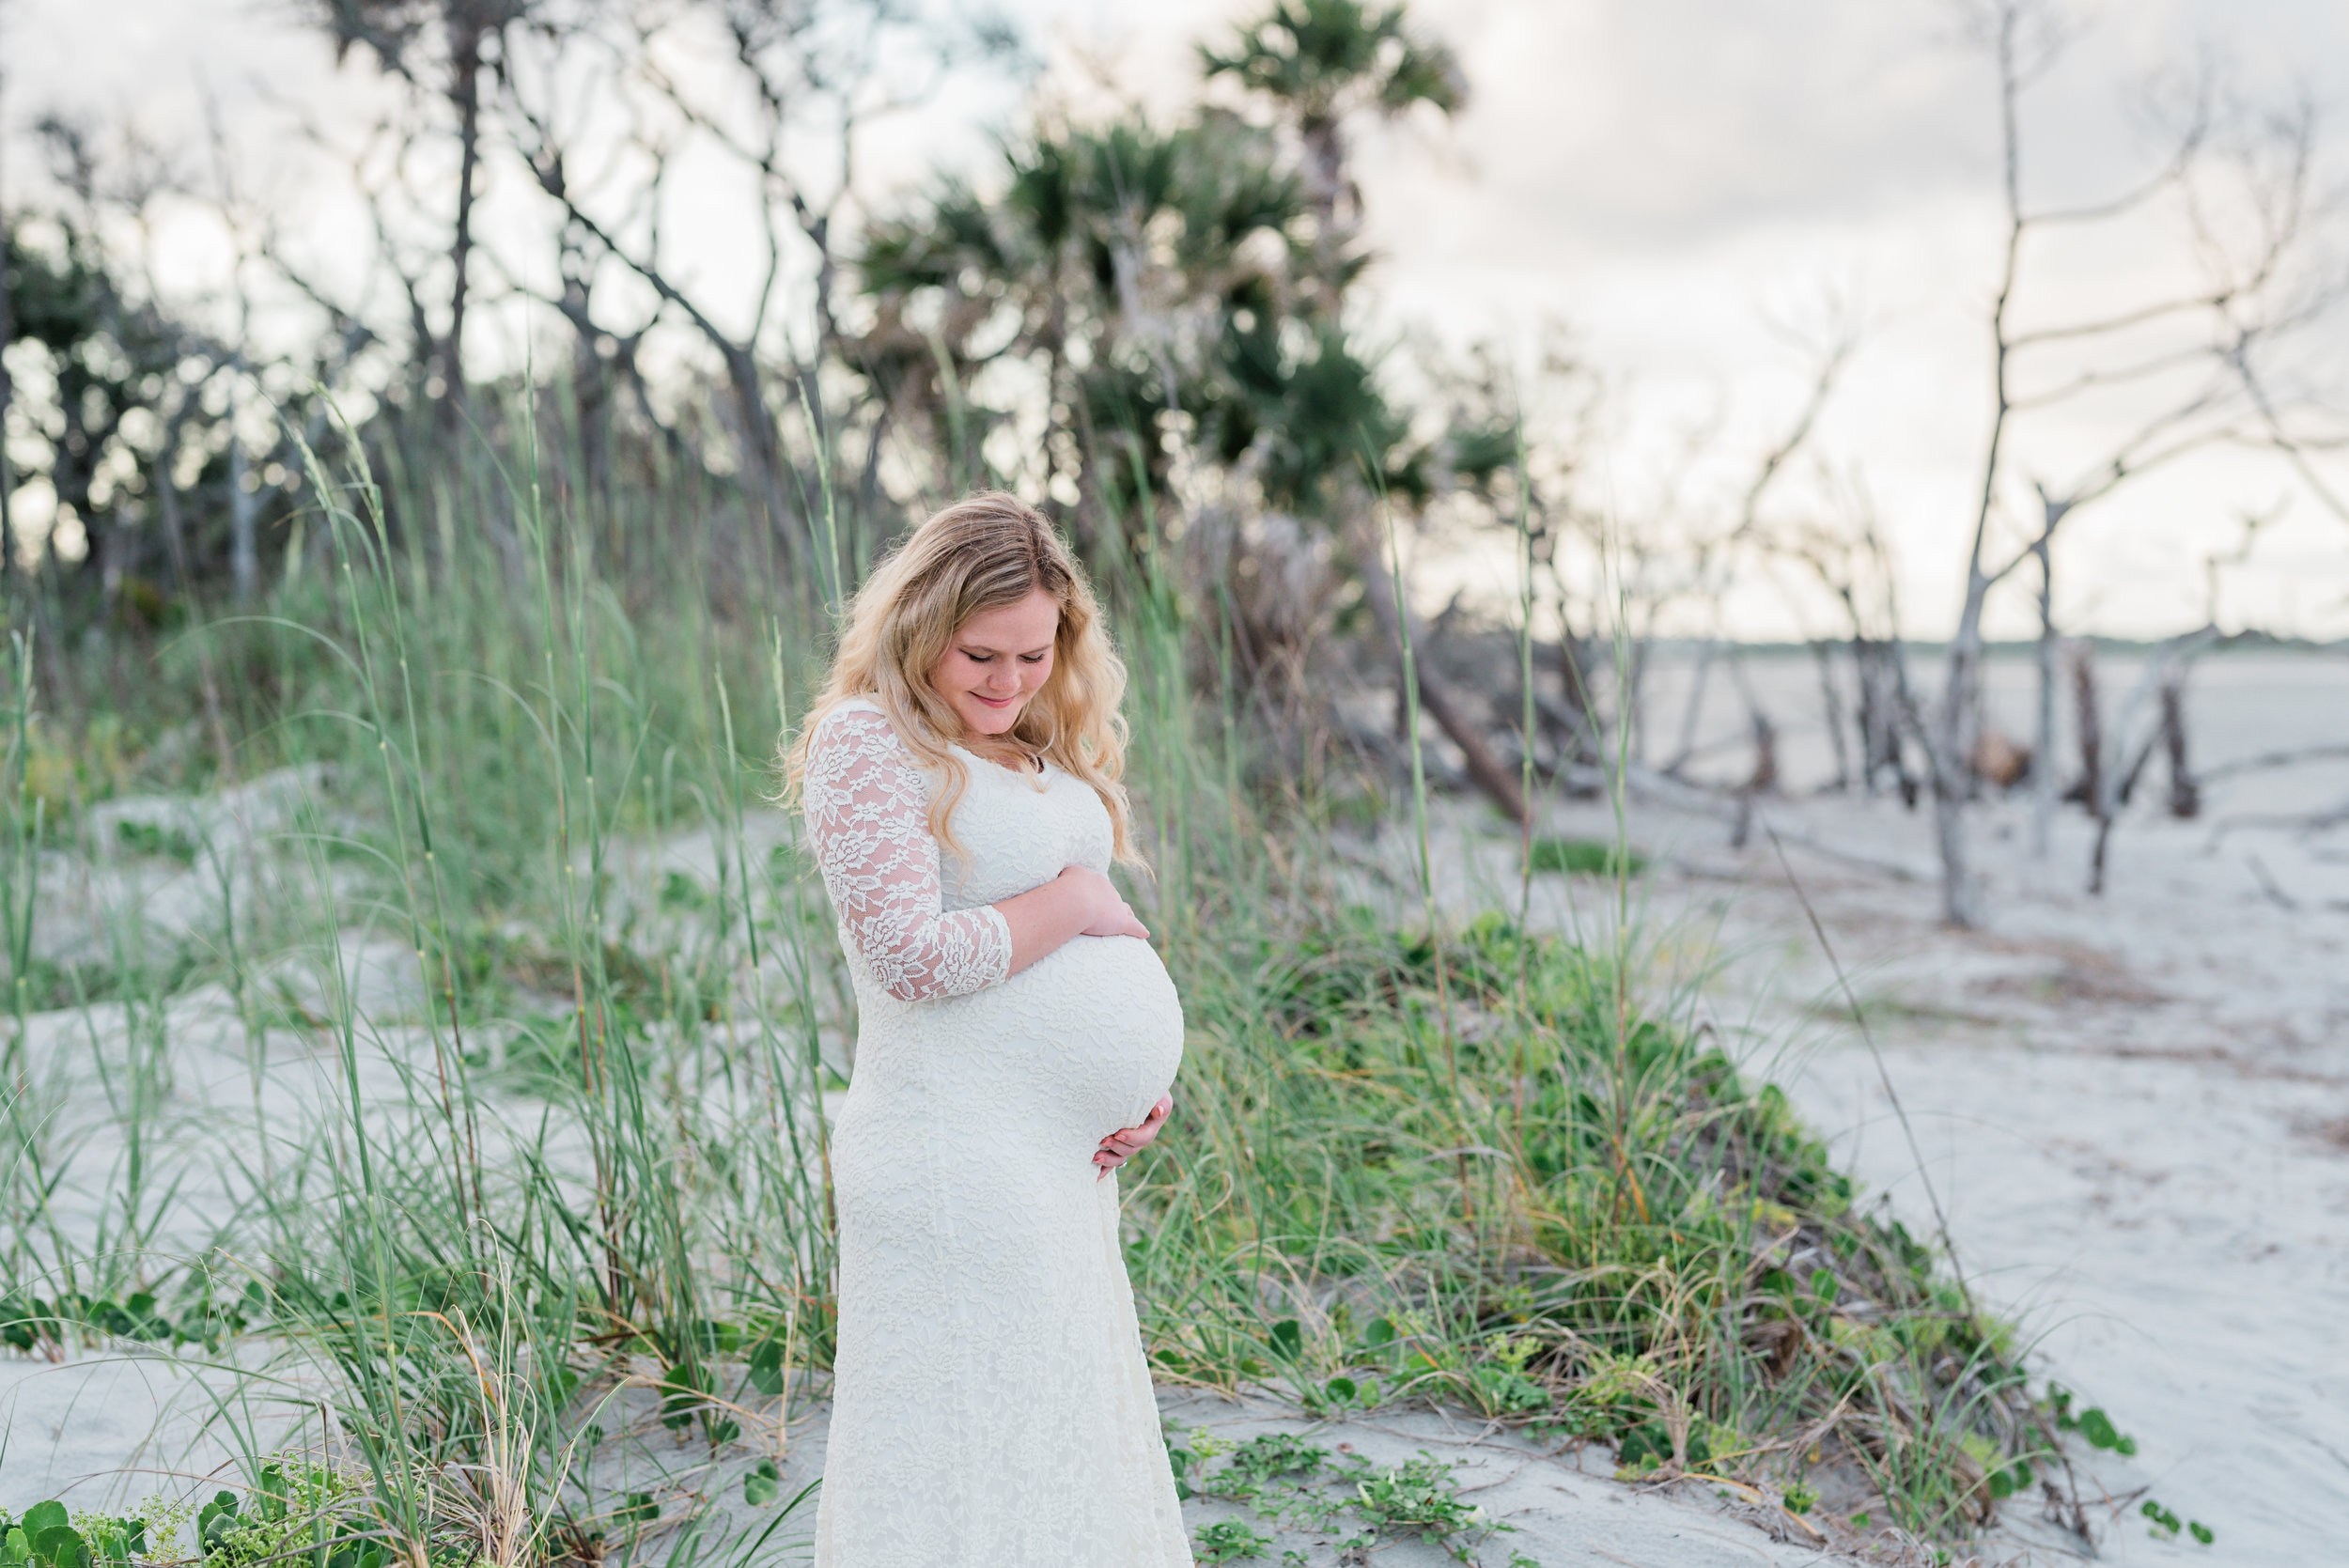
x=1229 y=1541
x=300 y=1509
x=156 y=838
x=1584 y=856
x=2164 y=1524
x=1264 y=1460
x=47 y=1537
x=1420 y=1496
x=2092 y=1425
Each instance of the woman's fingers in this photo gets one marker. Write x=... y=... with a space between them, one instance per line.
x=1130 y=1139
x=1119 y=922
x=1122 y=1144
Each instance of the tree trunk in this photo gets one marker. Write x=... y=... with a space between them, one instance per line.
x=1878 y=724
x=762 y=453
x=2043 y=787
x=465 y=41
x=1947 y=748
x=1961 y=905
x=2091 y=724
x=1765 y=778
x=1831 y=698
x=244 y=555
x=2186 y=794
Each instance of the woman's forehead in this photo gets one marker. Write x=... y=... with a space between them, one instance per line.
x=1029 y=623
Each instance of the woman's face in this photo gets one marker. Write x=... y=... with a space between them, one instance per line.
x=997 y=661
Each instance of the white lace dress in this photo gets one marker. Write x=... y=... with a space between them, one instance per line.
x=990 y=1404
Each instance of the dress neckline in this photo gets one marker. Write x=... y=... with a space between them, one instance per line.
x=1042 y=769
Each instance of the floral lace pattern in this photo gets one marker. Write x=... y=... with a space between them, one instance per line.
x=991 y=1407
x=869 y=820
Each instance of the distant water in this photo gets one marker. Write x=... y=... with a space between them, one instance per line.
x=2239 y=705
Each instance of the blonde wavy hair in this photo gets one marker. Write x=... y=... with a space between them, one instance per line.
x=983 y=552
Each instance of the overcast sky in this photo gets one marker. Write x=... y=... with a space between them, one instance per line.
x=1661 y=176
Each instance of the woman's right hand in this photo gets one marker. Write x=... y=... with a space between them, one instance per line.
x=1106 y=913
x=1079 y=902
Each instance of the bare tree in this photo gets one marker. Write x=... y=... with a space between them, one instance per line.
x=446 y=48
x=798 y=86
x=2181 y=355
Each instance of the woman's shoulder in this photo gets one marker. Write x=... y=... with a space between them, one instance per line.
x=849 y=705
x=859 y=726
x=852 y=723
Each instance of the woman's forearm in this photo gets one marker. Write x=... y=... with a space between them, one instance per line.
x=1078 y=902
x=1043 y=919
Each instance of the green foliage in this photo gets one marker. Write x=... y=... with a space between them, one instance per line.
x=1324 y=57
x=197 y=1317
x=299 y=1510
x=158 y=839
x=1229 y=1541
x=1292 y=1482
x=2092 y=1423
x=2162 y=1524
x=1420 y=1494
x=1258 y=361
x=115 y=391
x=1180 y=286
x=1582 y=857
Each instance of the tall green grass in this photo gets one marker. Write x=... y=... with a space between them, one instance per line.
x=545 y=1227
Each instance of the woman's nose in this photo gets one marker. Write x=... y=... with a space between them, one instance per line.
x=1002 y=678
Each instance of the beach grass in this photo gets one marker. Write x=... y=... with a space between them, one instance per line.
x=516 y=1238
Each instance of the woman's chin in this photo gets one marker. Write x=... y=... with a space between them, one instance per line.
x=981 y=720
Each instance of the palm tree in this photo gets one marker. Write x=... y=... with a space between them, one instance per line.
x=1321 y=62
x=1148 y=274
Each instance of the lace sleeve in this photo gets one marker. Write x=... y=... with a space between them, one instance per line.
x=868 y=821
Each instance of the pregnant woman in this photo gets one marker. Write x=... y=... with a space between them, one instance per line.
x=1017 y=1039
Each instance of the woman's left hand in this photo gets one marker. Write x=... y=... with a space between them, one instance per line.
x=1121 y=1146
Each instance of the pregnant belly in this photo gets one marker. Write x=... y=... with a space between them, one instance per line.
x=1101 y=1029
